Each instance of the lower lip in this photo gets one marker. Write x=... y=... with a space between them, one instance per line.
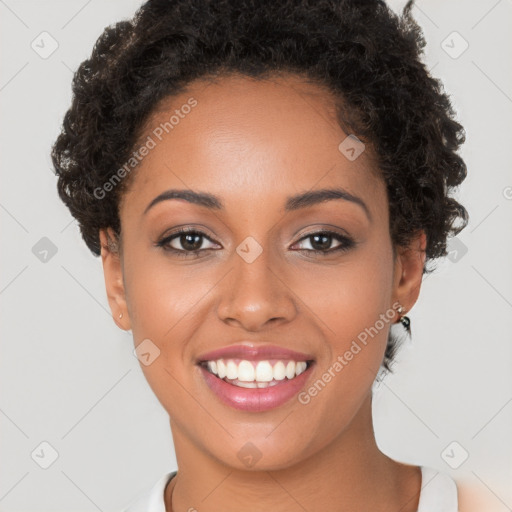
x=256 y=399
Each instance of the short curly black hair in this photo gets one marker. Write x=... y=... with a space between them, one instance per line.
x=360 y=50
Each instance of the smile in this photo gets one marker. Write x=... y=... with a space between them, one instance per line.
x=255 y=374
x=255 y=385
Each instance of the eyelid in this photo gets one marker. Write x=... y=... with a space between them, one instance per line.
x=345 y=240
x=187 y=228
x=168 y=237
x=323 y=228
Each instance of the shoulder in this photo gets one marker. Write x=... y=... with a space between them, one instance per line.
x=439 y=492
x=151 y=500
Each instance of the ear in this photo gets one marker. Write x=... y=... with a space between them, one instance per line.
x=408 y=276
x=112 y=270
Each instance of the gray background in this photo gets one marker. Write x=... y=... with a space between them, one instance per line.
x=68 y=376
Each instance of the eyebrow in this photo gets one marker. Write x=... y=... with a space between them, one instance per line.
x=293 y=203
x=314 y=197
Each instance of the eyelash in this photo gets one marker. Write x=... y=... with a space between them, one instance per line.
x=347 y=242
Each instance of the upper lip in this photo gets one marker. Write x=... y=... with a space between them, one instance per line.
x=254 y=353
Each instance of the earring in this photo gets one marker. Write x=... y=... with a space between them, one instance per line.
x=120 y=315
x=404 y=320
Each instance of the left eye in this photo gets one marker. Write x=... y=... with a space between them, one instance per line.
x=321 y=241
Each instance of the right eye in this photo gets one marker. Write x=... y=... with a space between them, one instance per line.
x=191 y=241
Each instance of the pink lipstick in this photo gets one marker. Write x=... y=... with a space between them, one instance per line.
x=255 y=378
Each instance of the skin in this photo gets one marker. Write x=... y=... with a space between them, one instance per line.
x=253 y=144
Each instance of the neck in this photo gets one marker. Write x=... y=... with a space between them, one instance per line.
x=348 y=474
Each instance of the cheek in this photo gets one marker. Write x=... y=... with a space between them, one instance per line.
x=353 y=304
x=166 y=305
x=160 y=295
x=356 y=315
x=161 y=307
x=350 y=296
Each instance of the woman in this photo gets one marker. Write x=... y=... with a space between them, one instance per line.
x=266 y=183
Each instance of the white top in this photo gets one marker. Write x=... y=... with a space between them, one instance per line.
x=438 y=494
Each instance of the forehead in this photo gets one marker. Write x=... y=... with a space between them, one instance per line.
x=238 y=137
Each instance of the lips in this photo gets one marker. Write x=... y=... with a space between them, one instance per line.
x=261 y=390
x=256 y=400
x=251 y=353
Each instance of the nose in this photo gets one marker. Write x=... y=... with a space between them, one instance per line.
x=255 y=295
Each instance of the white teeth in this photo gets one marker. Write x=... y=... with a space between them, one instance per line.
x=253 y=385
x=212 y=366
x=290 y=370
x=231 y=370
x=221 y=369
x=301 y=366
x=279 y=371
x=264 y=372
x=250 y=374
x=246 y=384
x=246 y=371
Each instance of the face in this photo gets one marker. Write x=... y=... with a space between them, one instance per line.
x=265 y=264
